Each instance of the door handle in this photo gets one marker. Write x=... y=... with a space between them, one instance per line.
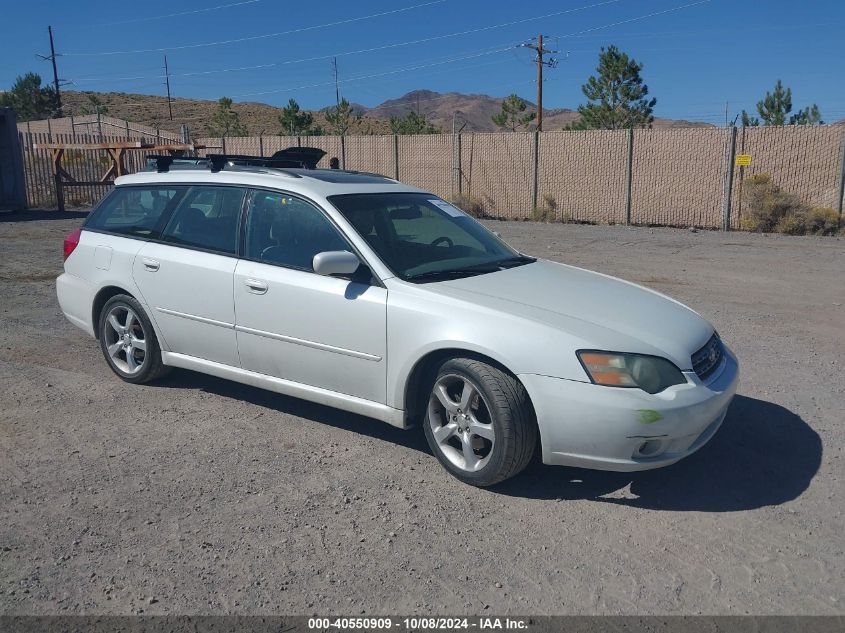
x=256 y=286
x=150 y=264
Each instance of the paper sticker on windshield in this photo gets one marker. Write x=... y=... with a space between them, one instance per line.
x=454 y=211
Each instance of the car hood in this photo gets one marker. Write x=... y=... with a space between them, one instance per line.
x=602 y=312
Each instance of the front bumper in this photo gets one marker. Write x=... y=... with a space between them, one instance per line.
x=608 y=428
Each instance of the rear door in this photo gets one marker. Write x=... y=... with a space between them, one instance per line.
x=186 y=277
x=294 y=324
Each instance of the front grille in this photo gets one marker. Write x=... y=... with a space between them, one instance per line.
x=706 y=360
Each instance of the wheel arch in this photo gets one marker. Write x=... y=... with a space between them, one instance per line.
x=103 y=295
x=424 y=371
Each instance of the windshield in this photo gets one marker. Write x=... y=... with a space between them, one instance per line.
x=423 y=238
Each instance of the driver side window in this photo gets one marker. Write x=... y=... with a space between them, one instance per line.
x=288 y=231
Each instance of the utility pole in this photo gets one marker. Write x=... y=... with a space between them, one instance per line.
x=336 y=88
x=56 y=82
x=167 y=83
x=551 y=63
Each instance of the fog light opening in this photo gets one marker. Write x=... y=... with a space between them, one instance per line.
x=650 y=448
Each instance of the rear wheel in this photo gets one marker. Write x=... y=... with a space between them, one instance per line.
x=479 y=422
x=129 y=342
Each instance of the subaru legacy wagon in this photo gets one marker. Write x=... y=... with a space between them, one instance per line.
x=365 y=294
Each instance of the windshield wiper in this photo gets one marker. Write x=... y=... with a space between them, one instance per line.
x=434 y=275
x=517 y=260
x=479 y=269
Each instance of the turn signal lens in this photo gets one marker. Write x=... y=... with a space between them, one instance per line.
x=71 y=242
x=650 y=373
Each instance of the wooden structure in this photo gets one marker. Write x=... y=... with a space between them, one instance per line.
x=116 y=151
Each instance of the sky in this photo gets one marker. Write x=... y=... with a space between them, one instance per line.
x=700 y=56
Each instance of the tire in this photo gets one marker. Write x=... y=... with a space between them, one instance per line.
x=132 y=352
x=481 y=436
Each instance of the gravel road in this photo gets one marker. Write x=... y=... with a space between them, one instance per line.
x=201 y=496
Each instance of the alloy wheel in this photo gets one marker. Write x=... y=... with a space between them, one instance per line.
x=461 y=422
x=126 y=340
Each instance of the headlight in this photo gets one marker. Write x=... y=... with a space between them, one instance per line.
x=612 y=369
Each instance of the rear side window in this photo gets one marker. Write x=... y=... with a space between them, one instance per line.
x=134 y=211
x=207 y=218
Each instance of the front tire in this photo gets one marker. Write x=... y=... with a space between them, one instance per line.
x=128 y=341
x=479 y=422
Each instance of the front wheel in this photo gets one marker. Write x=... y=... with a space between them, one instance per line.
x=479 y=422
x=129 y=342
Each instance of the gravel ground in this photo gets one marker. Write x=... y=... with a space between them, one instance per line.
x=197 y=495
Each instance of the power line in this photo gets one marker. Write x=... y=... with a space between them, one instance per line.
x=383 y=47
x=370 y=76
x=173 y=15
x=636 y=19
x=259 y=37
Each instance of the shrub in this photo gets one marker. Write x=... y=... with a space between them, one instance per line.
x=822 y=221
x=547 y=211
x=469 y=204
x=769 y=208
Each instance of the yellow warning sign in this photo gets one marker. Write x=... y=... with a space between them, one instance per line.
x=743 y=160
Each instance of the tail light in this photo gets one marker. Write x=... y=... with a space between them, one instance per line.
x=71 y=242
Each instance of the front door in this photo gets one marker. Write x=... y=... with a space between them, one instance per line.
x=186 y=279
x=294 y=324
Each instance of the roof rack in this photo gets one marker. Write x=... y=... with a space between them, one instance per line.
x=290 y=158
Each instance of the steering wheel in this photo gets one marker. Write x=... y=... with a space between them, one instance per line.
x=447 y=240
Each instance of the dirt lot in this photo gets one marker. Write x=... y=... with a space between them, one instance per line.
x=201 y=496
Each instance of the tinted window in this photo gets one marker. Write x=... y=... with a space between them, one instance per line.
x=207 y=217
x=288 y=231
x=423 y=238
x=134 y=211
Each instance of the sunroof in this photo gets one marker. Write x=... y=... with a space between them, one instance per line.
x=336 y=176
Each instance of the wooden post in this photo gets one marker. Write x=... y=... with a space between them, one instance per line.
x=56 y=156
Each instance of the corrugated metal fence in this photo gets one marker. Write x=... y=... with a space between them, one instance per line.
x=666 y=177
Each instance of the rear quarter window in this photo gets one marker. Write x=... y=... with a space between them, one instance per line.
x=134 y=211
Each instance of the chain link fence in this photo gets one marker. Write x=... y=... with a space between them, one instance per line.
x=677 y=177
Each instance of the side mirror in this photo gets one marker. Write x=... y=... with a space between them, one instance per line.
x=335 y=263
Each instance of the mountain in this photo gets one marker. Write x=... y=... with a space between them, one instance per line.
x=471 y=112
x=476 y=111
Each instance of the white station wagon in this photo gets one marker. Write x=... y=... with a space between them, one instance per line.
x=359 y=292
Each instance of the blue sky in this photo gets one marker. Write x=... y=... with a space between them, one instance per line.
x=696 y=57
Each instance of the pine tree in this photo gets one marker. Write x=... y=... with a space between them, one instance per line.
x=29 y=99
x=226 y=122
x=617 y=95
x=775 y=108
x=341 y=117
x=294 y=120
x=511 y=115
x=413 y=123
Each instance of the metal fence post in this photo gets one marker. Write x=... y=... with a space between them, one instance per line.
x=223 y=143
x=839 y=200
x=629 y=177
x=343 y=151
x=729 y=180
x=535 y=185
x=261 y=146
x=396 y=157
x=459 y=172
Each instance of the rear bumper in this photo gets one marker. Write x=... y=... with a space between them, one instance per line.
x=607 y=428
x=76 y=296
